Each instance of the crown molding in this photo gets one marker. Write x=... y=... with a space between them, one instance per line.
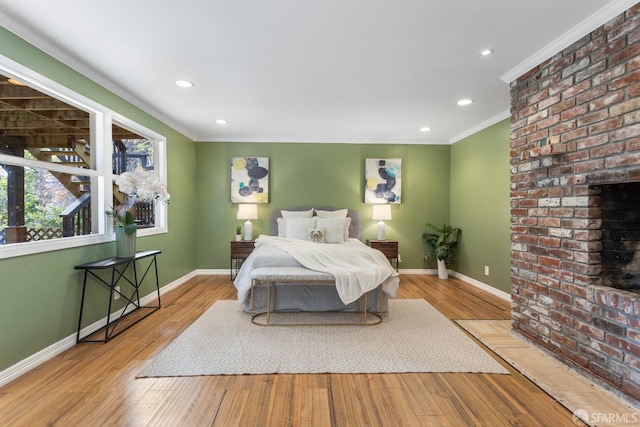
x=594 y=21
x=477 y=128
x=32 y=37
x=329 y=141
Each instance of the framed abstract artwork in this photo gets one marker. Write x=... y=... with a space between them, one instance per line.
x=383 y=181
x=249 y=180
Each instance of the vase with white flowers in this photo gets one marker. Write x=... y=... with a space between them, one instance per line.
x=139 y=185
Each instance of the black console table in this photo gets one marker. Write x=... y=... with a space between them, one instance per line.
x=118 y=267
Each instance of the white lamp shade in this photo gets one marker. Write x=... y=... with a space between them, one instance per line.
x=381 y=212
x=247 y=211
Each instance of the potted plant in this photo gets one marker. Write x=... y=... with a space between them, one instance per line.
x=442 y=242
x=238 y=233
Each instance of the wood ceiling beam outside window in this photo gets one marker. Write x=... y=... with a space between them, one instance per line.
x=40 y=121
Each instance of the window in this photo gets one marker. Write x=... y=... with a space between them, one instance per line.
x=59 y=153
x=131 y=149
x=38 y=204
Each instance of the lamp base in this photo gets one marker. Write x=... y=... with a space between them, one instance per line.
x=381 y=230
x=248 y=230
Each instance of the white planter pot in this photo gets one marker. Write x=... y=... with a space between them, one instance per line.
x=238 y=237
x=443 y=273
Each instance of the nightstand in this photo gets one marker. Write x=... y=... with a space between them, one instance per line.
x=388 y=247
x=240 y=250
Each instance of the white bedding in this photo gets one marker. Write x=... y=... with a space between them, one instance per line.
x=356 y=267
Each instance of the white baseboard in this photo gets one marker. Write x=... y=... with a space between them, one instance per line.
x=211 y=272
x=418 y=271
x=478 y=284
x=488 y=288
x=33 y=361
x=57 y=348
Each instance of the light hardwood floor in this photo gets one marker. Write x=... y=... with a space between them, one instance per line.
x=93 y=384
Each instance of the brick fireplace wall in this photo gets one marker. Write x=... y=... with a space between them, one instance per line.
x=575 y=127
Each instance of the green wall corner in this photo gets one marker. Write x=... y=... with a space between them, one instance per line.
x=480 y=207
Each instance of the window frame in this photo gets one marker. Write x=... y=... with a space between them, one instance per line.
x=160 y=167
x=101 y=119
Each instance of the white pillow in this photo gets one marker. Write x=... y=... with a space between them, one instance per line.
x=296 y=228
x=297 y=214
x=347 y=224
x=340 y=213
x=282 y=231
x=315 y=235
x=334 y=229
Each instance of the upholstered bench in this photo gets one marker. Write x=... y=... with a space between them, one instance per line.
x=272 y=277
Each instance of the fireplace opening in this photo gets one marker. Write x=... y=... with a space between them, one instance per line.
x=621 y=236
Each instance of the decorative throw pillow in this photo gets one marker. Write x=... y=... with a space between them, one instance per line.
x=296 y=228
x=340 y=213
x=297 y=214
x=315 y=235
x=334 y=229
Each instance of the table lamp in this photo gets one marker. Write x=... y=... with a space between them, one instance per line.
x=248 y=212
x=381 y=212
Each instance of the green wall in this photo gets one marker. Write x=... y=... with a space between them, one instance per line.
x=40 y=294
x=322 y=175
x=480 y=204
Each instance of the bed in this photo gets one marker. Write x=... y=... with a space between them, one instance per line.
x=320 y=239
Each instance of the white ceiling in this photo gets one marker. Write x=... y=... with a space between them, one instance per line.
x=309 y=70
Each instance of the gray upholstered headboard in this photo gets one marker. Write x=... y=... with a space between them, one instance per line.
x=354 y=228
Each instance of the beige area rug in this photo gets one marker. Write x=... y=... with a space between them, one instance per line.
x=587 y=401
x=414 y=337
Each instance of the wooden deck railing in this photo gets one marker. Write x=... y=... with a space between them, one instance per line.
x=76 y=219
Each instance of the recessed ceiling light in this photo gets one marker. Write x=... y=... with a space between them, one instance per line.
x=465 y=101
x=184 y=83
x=425 y=129
x=486 y=52
x=221 y=122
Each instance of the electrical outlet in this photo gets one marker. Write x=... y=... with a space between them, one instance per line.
x=486 y=270
x=116 y=293
x=399 y=258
